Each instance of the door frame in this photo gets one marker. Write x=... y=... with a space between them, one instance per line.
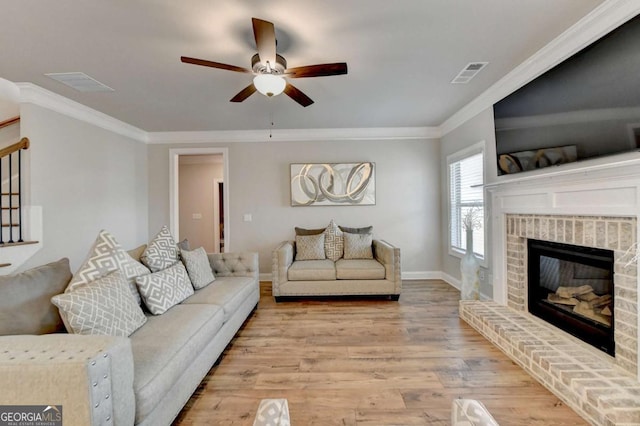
x=216 y=213
x=174 y=191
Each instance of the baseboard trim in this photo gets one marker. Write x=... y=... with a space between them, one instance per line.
x=406 y=275
x=421 y=275
x=452 y=281
x=265 y=277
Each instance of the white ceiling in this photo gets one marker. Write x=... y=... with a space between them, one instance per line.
x=401 y=56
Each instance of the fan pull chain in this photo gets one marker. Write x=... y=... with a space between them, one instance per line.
x=270 y=119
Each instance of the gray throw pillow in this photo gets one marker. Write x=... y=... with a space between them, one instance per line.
x=25 y=299
x=184 y=245
x=104 y=306
x=310 y=247
x=198 y=267
x=365 y=230
x=358 y=246
x=302 y=231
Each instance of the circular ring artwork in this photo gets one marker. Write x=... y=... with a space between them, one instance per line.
x=333 y=184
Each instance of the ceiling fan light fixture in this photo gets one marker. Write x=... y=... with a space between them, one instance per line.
x=269 y=84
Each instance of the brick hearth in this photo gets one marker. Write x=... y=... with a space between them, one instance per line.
x=604 y=390
x=588 y=381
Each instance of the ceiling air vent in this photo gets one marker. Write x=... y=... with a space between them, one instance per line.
x=80 y=81
x=468 y=72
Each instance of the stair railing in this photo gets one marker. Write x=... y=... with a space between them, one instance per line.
x=7 y=157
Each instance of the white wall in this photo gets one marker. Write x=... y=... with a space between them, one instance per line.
x=407 y=210
x=479 y=128
x=86 y=179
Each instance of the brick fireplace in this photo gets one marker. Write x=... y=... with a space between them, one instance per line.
x=596 y=206
x=613 y=233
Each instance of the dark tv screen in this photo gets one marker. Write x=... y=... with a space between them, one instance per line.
x=586 y=107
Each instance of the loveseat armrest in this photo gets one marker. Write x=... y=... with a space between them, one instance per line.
x=91 y=377
x=389 y=256
x=240 y=264
x=282 y=258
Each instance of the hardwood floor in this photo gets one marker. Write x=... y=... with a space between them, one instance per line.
x=368 y=363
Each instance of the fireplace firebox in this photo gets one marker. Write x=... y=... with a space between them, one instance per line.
x=571 y=287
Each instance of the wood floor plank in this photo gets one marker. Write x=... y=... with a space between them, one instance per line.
x=368 y=362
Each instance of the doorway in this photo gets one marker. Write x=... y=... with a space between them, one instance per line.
x=199 y=194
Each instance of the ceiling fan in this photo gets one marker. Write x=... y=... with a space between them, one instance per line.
x=270 y=69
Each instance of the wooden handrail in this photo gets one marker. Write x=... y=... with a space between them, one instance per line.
x=9 y=122
x=23 y=144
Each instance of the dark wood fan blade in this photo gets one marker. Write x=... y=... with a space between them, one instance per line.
x=265 y=34
x=244 y=93
x=321 y=70
x=212 y=64
x=297 y=95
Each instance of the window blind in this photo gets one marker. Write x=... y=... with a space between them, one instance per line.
x=466 y=178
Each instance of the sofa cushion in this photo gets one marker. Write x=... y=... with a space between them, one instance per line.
x=136 y=253
x=198 y=267
x=25 y=299
x=359 y=269
x=104 y=306
x=310 y=247
x=228 y=292
x=312 y=270
x=163 y=290
x=358 y=246
x=106 y=256
x=333 y=242
x=166 y=346
x=162 y=251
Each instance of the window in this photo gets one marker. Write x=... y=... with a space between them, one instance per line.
x=466 y=179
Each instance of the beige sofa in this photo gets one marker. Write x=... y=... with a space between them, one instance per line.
x=145 y=378
x=379 y=276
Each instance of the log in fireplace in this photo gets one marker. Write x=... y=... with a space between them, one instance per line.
x=571 y=287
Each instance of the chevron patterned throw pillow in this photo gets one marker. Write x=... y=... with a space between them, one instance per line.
x=103 y=306
x=106 y=256
x=162 y=251
x=165 y=289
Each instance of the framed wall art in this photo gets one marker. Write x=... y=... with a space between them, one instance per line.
x=333 y=184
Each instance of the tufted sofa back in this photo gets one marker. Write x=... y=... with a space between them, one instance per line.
x=241 y=264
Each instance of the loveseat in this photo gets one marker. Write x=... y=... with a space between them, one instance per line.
x=372 y=272
x=143 y=379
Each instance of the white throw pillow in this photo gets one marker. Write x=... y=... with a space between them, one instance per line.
x=105 y=257
x=358 y=246
x=103 y=306
x=198 y=267
x=310 y=247
x=161 y=252
x=165 y=289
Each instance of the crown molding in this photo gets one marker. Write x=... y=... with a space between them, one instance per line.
x=31 y=93
x=602 y=20
x=296 y=135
